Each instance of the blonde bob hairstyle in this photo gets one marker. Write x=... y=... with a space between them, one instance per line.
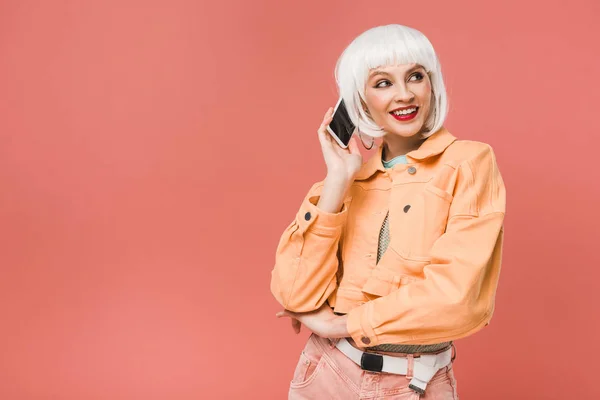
x=381 y=46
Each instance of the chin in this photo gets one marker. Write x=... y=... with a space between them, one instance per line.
x=407 y=133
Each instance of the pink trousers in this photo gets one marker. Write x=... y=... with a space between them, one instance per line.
x=324 y=372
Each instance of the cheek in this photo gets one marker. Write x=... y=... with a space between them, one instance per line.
x=426 y=96
x=425 y=91
x=378 y=103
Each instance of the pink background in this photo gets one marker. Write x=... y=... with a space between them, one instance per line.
x=151 y=153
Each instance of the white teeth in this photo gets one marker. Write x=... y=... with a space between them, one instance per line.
x=404 y=112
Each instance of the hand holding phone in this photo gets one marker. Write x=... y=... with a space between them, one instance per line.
x=343 y=162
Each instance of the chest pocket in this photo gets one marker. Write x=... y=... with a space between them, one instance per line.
x=418 y=216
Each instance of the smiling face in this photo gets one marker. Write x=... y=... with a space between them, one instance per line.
x=398 y=98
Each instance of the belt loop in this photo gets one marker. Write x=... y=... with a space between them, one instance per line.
x=411 y=364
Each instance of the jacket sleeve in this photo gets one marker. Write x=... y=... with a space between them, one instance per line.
x=306 y=260
x=456 y=297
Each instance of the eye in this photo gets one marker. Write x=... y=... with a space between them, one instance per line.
x=380 y=82
x=418 y=75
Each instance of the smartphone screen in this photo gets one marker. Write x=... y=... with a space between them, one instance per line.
x=341 y=127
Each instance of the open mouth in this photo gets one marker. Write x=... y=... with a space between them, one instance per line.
x=405 y=114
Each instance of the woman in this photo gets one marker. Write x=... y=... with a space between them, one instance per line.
x=390 y=261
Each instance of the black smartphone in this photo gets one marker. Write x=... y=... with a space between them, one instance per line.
x=341 y=127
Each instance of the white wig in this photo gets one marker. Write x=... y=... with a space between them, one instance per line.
x=381 y=46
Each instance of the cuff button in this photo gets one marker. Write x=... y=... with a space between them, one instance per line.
x=365 y=340
x=307 y=216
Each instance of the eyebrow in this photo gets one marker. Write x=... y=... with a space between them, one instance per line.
x=380 y=72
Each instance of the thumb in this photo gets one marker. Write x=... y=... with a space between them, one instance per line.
x=353 y=146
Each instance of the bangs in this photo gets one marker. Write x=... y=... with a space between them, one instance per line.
x=391 y=47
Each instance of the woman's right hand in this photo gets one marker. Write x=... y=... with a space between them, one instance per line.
x=342 y=164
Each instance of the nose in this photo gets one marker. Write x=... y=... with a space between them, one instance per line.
x=403 y=94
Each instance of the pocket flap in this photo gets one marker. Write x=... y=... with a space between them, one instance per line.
x=391 y=272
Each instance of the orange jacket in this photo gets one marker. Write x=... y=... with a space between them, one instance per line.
x=437 y=279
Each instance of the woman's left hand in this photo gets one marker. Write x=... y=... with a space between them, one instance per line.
x=322 y=322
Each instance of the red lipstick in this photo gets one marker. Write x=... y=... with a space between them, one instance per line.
x=405 y=117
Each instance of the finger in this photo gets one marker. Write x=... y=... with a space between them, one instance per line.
x=324 y=136
x=296 y=325
x=286 y=313
x=328 y=114
x=326 y=120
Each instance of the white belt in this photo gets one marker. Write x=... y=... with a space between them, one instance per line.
x=424 y=368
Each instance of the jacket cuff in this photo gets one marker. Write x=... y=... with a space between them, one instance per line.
x=359 y=327
x=310 y=216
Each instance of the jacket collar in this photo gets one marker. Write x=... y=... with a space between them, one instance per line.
x=432 y=146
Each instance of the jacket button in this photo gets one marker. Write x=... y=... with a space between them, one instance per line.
x=307 y=216
x=412 y=170
x=406 y=208
x=365 y=340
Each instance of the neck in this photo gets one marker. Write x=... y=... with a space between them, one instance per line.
x=394 y=146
